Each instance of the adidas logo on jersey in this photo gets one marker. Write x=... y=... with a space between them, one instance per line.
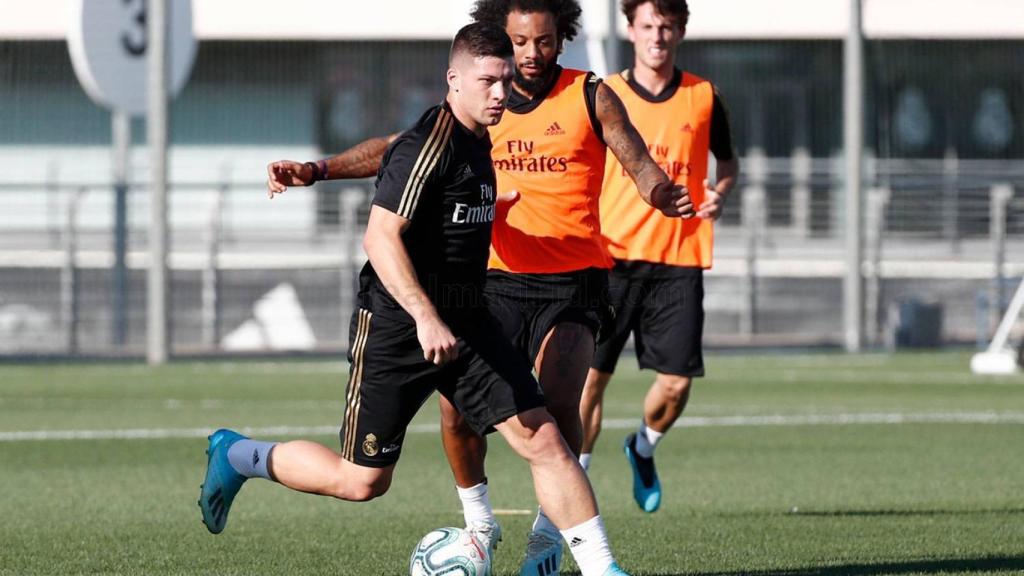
x=554 y=130
x=687 y=127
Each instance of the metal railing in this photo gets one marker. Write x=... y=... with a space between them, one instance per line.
x=926 y=227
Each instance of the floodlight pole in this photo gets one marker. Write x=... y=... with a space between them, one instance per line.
x=157 y=350
x=853 y=144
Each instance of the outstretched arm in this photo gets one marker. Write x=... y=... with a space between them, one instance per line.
x=655 y=187
x=359 y=161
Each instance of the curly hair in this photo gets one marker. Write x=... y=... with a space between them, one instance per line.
x=567 y=13
x=677 y=9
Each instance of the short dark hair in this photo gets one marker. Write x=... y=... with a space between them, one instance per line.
x=677 y=9
x=481 y=39
x=566 y=12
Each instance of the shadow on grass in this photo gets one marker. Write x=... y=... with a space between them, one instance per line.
x=971 y=565
x=875 y=513
x=882 y=513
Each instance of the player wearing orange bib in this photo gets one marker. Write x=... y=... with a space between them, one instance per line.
x=656 y=285
x=548 y=279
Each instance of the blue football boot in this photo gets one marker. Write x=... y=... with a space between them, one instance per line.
x=646 y=487
x=222 y=481
x=614 y=570
x=543 y=554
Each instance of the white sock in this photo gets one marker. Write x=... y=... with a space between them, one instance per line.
x=646 y=439
x=588 y=543
x=585 y=461
x=251 y=457
x=476 y=504
x=542 y=522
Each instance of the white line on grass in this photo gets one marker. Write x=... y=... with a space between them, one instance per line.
x=614 y=424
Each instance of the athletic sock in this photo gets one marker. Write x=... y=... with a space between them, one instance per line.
x=588 y=543
x=646 y=439
x=476 y=504
x=585 y=461
x=251 y=458
x=542 y=522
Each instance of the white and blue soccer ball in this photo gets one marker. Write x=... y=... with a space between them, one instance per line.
x=451 y=552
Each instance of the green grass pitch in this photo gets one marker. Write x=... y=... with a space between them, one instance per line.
x=798 y=465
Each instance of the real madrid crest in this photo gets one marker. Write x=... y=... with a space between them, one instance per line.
x=370 y=445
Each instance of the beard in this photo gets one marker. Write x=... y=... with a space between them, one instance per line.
x=537 y=84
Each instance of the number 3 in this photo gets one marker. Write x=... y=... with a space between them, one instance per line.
x=136 y=43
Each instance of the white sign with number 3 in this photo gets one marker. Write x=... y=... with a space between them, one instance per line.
x=109 y=41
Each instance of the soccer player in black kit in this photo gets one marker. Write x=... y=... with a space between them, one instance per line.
x=422 y=325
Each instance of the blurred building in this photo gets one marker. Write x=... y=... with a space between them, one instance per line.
x=945 y=126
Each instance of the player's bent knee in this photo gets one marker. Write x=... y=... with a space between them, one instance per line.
x=456 y=426
x=452 y=421
x=532 y=420
x=357 y=483
x=548 y=445
x=675 y=388
x=365 y=491
x=543 y=441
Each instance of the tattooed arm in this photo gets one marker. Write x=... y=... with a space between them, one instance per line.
x=359 y=161
x=655 y=187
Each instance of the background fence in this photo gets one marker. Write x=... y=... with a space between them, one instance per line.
x=944 y=214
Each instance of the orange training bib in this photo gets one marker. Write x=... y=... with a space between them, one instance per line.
x=677 y=132
x=552 y=156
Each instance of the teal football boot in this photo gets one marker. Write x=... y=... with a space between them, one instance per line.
x=646 y=487
x=222 y=481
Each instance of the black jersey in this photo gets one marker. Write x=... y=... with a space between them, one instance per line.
x=439 y=176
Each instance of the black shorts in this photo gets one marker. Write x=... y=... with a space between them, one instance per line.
x=663 y=307
x=389 y=380
x=528 y=306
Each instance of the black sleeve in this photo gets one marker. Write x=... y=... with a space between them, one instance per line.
x=721 y=135
x=590 y=95
x=410 y=166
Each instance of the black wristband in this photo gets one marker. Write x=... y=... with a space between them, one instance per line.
x=315 y=170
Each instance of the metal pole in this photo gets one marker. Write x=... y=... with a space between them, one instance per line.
x=951 y=199
x=120 y=128
x=157 y=350
x=878 y=198
x=753 y=216
x=69 y=273
x=853 y=144
x=1000 y=195
x=53 y=223
x=801 y=168
x=612 y=49
x=211 y=272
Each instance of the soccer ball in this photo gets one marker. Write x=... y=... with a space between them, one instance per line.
x=449 y=551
